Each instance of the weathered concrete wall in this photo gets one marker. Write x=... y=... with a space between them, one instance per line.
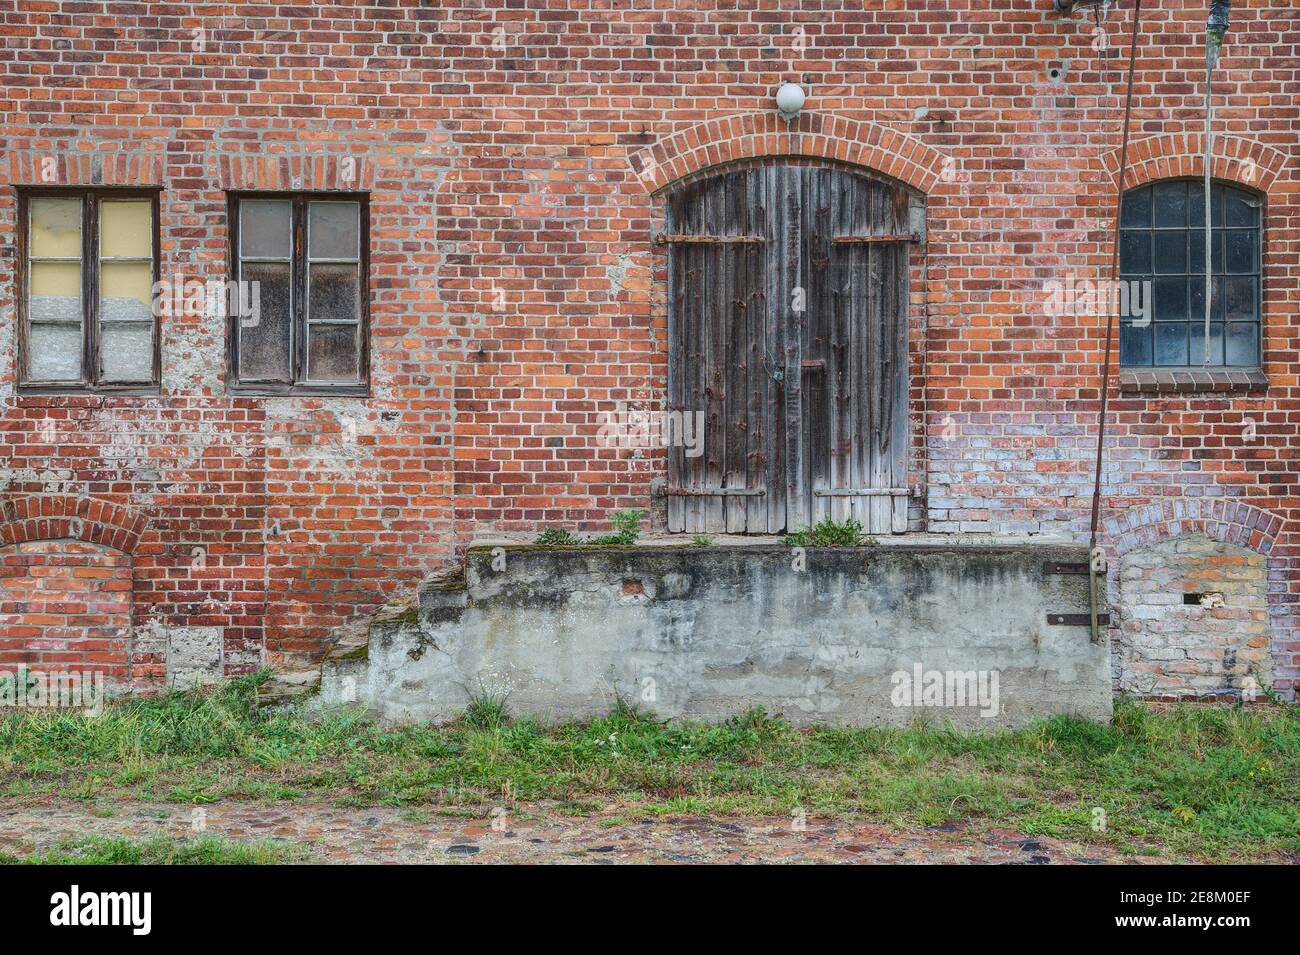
x=709 y=632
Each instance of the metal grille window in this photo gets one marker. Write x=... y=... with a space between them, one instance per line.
x=88 y=261
x=1162 y=241
x=301 y=258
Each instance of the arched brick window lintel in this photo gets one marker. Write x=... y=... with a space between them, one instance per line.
x=1244 y=162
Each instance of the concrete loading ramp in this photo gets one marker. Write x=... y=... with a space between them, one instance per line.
x=981 y=635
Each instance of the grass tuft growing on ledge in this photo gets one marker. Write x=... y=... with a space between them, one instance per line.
x=1190 y=782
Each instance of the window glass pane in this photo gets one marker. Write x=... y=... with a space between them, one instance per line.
x=1170 y=201
x=1136 y=209
x=126 y=351
x=125 y=291
x=55 y=228
x=1241 y=247
x=1196 y=251
x=333 y=230
x=54 y=352
x=126 y=229
x=1170 y=251
x=332 y=293
x=1240 y=208
x=55 y=292
x=265 y=228
x=1171 y=343
x=54 y=336
x=1240 y=304
x=1135 y=252
x=1134 y=345
x=1170 y=299
x=1198 y=343
x=125 y=321
x=332 y=353
x=264 y=337
x=1197 y=289
x=1243 y=344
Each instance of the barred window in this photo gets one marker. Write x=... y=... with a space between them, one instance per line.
x=88 y=263
x=1162 y=241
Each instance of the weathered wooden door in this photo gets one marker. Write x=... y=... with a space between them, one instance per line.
x=788 y=332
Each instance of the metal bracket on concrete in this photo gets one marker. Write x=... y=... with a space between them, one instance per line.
x=1077 y=619
x=1055 y=567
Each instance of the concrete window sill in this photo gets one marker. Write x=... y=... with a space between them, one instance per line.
x=1184 y=381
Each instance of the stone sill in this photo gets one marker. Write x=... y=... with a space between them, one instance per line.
x=1189 y=381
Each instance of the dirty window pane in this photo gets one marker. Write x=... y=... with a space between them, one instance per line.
x=1135 y=252
x=1240 y=252
x=1170 y=297
x=54 y=353
x=1135 y=210
x=126 y=229
x=1240 y=208
x=1243 y=344
x=265 y=228
x=264 y=338
x=1198 y=343
x=1170 y=202
x=333 y=230
x=332 y=353
x=332 y=293
x=1171 y=344
x=1197 y=289
x=126 y=351
x=1196 y=253
x=1134 y=345
x=55 y=228
x=1171 y=251
x=125 y=321
x=1239 y=299
x=54 y=336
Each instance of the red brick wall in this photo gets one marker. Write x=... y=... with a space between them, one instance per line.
x=65 y=605
x=514 y=288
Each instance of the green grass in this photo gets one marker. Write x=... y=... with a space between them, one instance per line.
x=161 y=850
x=1192 y=782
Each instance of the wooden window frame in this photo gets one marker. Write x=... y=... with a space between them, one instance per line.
x=298 y=297
x=91 y=197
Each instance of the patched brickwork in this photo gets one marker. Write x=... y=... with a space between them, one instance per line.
x=66 y=605
x=516 y=157
x=1213 y=647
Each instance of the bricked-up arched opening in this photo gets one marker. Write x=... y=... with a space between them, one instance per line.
x=788 y=295
x=65 y=605
x=1211 y=540
x=1193 y=619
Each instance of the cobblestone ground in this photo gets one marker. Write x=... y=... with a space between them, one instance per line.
x=536 y=833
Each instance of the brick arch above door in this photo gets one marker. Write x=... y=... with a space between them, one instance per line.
x=729 y=139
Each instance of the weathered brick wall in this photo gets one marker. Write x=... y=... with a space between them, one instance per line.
x=66 y=605
x=511 y=152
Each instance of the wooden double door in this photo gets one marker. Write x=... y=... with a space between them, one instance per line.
x=788 y=289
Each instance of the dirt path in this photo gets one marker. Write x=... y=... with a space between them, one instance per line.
x=535 y=834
